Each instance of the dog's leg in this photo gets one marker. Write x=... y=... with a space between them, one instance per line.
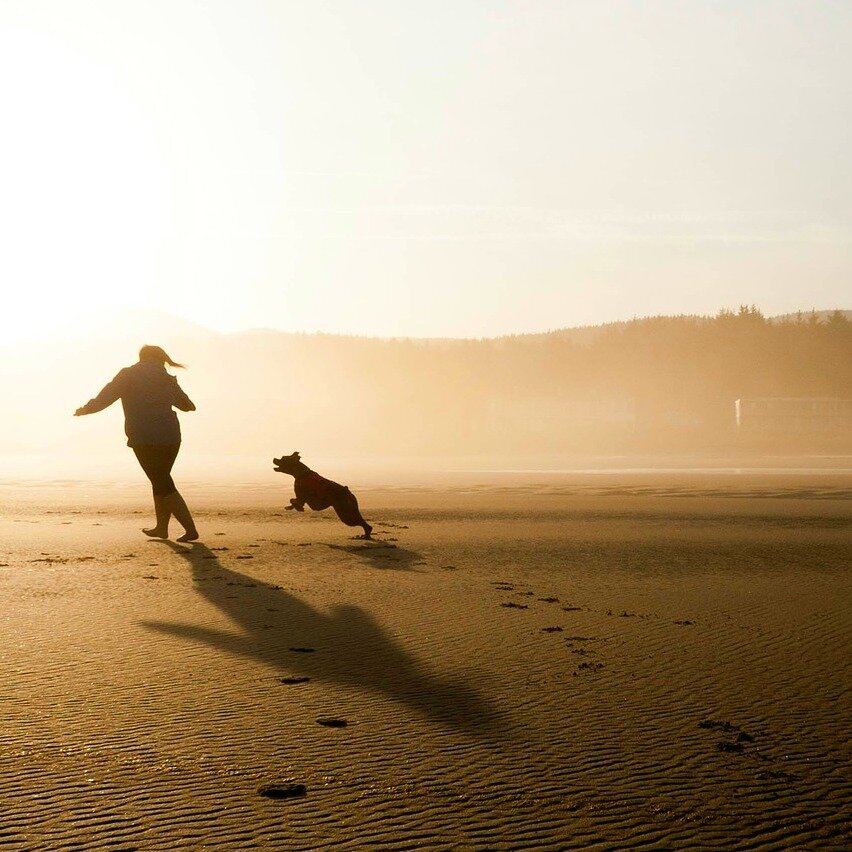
x=295 y=503
x=348 y=511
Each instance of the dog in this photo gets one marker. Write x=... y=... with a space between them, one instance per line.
x=320 y=493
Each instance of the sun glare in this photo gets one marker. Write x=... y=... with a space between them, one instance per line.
x=85 y=193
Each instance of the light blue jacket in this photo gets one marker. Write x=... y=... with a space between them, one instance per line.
x=147 y=393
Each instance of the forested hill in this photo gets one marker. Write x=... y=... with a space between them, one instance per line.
x=658 y=383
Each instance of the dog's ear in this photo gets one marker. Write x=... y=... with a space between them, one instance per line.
x=296 y=455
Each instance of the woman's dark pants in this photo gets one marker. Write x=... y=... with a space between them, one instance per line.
x=157 y=461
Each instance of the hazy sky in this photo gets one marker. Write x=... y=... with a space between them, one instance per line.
x=423 y=168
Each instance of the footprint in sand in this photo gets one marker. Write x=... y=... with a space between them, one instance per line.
x=328 y=722
x=685 y=621
x=513 y=605
x=292 y=680
x=549 y=600
x=777 y=775
x=245 y=556
x=589 y=667
x=282 y=791
x=737 y=744
x=581 y=650
x=300 y=650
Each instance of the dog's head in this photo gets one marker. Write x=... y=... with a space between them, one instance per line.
x=288 y=464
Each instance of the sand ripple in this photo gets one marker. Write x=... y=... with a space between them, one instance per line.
x=696 y=695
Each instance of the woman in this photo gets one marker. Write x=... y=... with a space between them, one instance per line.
x=147 y=393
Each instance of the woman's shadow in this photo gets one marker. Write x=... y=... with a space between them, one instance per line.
x=346 y=646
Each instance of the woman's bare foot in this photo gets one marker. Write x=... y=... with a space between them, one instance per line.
x=188 y=536
x=156 y=533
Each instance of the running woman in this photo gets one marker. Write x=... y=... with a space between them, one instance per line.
x=148 y=394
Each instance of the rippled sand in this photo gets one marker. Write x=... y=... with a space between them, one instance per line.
x=543 y=667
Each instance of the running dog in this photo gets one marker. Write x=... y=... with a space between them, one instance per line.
x=320 y=493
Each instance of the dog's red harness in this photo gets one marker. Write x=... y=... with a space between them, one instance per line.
x=315 y=488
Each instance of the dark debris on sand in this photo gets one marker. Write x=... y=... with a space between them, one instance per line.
x=282 y=791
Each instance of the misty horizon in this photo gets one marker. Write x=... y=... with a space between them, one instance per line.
x=653 y=387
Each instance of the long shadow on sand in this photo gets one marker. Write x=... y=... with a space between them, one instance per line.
x=346 y=646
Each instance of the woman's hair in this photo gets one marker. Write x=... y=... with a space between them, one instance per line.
x=157 y=353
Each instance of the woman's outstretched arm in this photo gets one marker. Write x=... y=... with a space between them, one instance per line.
x=105 y=398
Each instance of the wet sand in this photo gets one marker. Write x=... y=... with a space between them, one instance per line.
x=569 y=663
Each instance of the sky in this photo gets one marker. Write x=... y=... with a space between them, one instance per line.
x=460 y=168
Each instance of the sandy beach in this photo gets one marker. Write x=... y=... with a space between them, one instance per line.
x=544 y=663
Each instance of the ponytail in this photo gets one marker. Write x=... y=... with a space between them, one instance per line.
x=157 y=353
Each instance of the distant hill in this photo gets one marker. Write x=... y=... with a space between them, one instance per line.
x=586 y=334
x=144 y=324
x=149 y=325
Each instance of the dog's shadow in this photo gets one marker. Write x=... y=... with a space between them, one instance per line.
x=379 y=554
x=345 y=646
